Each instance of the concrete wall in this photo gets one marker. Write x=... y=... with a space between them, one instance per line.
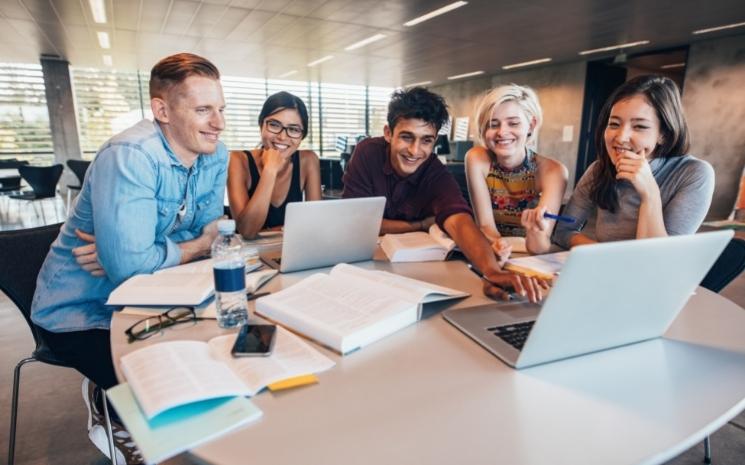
x=714 y=100
x=560 y=89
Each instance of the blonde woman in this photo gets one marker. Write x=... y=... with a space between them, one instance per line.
x=511 y=186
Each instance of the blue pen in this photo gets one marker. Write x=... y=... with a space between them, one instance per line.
x=564 y=219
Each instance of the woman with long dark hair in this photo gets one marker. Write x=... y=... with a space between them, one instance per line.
x=261 y=182
x=643 y=183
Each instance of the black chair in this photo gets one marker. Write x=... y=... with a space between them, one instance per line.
x=78 y=168
x=728 y=266
x=24 y=251
x=12 y=163
x=43 y=181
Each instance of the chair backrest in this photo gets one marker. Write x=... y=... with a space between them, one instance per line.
x=728 y=266
x=78 y=167
x=23 y=252
x=42 y=179
x=12 y=163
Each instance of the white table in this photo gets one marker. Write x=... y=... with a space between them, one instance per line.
x=429 y=395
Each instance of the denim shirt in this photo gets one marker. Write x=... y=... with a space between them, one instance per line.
x=140 y=201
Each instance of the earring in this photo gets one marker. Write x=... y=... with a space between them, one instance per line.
x=530 y=133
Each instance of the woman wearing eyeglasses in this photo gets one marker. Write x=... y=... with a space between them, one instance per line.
x=261 y=182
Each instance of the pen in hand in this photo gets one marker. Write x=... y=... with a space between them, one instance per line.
x=256 y=296
x=563 y=219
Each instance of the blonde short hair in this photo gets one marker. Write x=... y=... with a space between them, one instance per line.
x=523 y=96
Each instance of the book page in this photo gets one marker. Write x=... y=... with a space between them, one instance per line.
x=439 y=236
x=546 y=265
x=163 y=289
x=412 y=240
x=291 y=357
x=174 y=373
x=328 y=308
x=408 y=289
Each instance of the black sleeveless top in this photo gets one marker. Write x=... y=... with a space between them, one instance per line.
x=276 y=215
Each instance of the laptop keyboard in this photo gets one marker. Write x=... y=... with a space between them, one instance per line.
x=514 y=335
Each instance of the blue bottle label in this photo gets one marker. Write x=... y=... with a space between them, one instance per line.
x=230 y=279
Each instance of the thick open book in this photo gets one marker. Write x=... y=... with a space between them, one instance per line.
x=180 y=428
x=170 y=374
x=418 y=246
x=545 y=266
x=351 y=307
x=189 y=284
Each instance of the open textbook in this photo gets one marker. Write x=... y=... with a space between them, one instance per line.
x=351 y=307
x=180 y=428
x=418 y=246
x=169 y=374
x=544 y=266
x=189 y=284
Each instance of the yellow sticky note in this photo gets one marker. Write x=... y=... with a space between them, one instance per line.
x=296 y=381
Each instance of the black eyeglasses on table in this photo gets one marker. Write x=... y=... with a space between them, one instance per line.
x=151 y=325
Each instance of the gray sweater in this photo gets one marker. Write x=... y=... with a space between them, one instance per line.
x=686 y=187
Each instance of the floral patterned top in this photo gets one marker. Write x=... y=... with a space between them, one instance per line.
x=511 y=192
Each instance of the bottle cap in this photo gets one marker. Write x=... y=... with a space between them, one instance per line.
x=226 y=226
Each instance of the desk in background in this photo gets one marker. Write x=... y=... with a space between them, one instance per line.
x=430 y=395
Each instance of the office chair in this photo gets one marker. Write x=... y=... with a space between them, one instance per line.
x=23 y=253
x=43 y=181
x=728 y=266
x=78 y=167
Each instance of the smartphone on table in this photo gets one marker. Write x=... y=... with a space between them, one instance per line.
x=254 y=341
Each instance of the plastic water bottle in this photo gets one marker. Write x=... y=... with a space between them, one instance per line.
x=230 y=276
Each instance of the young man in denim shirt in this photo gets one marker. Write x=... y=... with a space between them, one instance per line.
x=151 y=197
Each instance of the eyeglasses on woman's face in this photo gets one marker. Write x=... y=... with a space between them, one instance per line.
x=275 y=127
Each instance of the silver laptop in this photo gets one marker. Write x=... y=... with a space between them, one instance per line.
x=607 y=295
x=326 y=232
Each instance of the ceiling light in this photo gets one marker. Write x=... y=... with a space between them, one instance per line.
x=107 y=60
x=288 y=74
x=718 y=28
x=103 y=39
x=99 y=11
x=321 y=60
x=673 y=65
x=417 y=84
x=367 y=41
x=437 y=12
x=460 y=76
x=527 y=63
x=614 y=47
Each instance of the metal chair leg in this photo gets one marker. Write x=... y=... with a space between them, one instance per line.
x=14 y=408
x=707 y=450
x=109 y=433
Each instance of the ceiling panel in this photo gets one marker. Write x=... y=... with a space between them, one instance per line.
x=180 y=16
x=153 y=15
x=252 y=23
x=39 y=9
x=14 y=10
x=271 y=37
x=126 y=14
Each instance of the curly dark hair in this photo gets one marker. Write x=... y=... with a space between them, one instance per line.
x=417 y=103
x=663 y=95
